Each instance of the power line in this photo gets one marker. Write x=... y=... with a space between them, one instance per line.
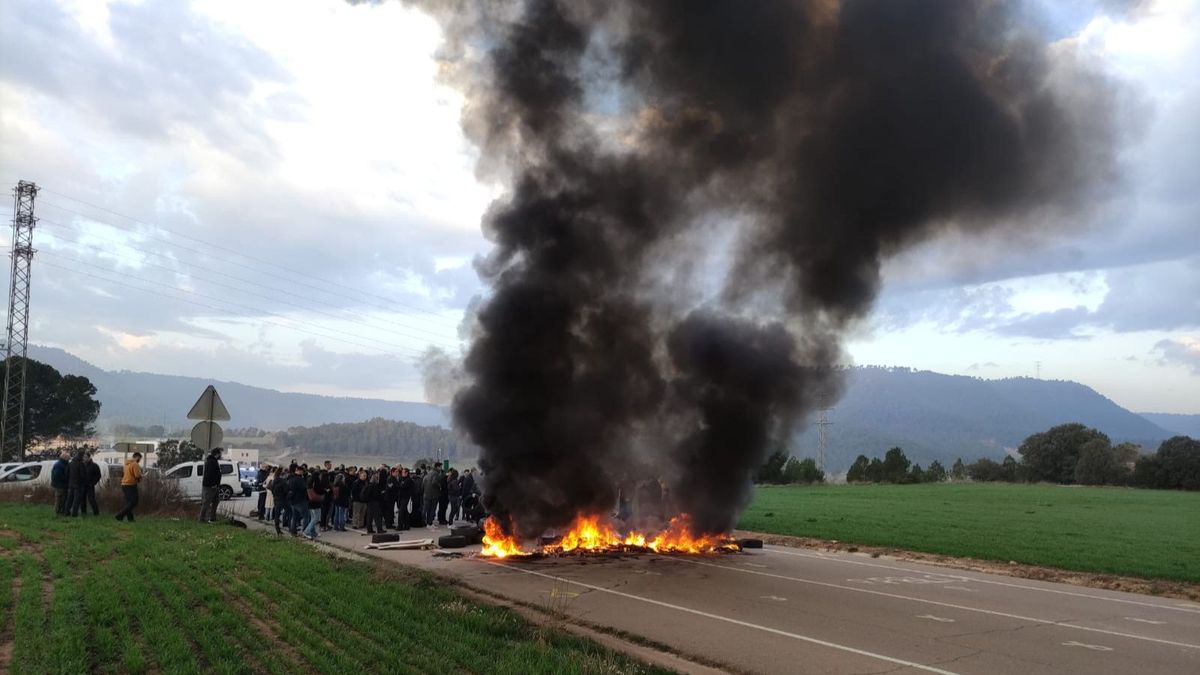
x=306 y=275
x=256 y=316
x=428 y=334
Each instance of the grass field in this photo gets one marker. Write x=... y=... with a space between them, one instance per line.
x=1146 y=533
x=165 y=596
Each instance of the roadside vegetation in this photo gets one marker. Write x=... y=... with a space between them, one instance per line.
x=174 y=596
x=1143 y=533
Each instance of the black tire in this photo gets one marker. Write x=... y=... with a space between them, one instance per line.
x=224 y=493
x=384 y=538
x=467 y=531
x=750 y=543
x=452 y=541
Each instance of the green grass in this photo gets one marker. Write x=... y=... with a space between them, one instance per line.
x=171 y=596
x=1145 y=533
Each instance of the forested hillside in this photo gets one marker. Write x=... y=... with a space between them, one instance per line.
x=385 y=438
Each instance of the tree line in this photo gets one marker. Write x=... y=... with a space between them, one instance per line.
x=1068 y=454
x=782 y=469
x=379 y=437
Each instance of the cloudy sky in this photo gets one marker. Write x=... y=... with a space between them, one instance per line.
x=278 y=193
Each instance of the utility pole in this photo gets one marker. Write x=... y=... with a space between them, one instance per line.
x=12 y=425
x=823 y=429
x=1038 y=369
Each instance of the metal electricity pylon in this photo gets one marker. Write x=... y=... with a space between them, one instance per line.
x=12 y=426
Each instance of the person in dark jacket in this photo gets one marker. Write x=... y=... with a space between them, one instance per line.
x=454 y=489
x=297 y=499
x=391 y=492
x=341 y=502
x=358 y=498
x=58 y=481
x=373 y=494
x=209 y=486
x=468 y=490
x=443 y=496
x=431 y=488
x=92 y=474
x=418 y=519
x=404 y=495
x=260 y=481
x=75 y=480
x=279 y=495
x=327 y=478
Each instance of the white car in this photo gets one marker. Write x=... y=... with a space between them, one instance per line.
x=9 y=466
x=191 y=475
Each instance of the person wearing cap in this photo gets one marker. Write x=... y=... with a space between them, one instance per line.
x=209 y=486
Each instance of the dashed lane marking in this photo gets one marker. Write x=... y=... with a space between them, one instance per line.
x=939 y=619
x=1095 y=648
x=1177 y=607
x=938 y=603
x=960 y=588
x=1149 y=621
x=738 y=622
x=774 y=598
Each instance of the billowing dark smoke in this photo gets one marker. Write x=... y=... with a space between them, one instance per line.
x=701 y=195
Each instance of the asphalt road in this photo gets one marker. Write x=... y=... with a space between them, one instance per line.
x=786 y=610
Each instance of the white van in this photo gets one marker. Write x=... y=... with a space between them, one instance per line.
x=29 y=473
x=191 y=474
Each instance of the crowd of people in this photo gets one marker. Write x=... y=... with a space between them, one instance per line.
x=308 y=500
x=74 y=480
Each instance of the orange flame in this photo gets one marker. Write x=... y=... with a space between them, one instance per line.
x=496 y=544
x=589 y=534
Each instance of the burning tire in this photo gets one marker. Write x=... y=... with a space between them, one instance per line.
x=750 y=543
x=384 y=538
x=452 y=541
x=473 y=534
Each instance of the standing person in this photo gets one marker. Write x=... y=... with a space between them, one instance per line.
x=418 y=517
x=316 y=497
x=58 y=481
x=374 y=496
x=431 y=487
x=129 y=486
x=260 y=483
x=75 y=485
x=91 y=478
x=391 y=490
x=279 y=495
x=341 y=502
x=454 y=488
x=468 y=490
x=404 y=495
x=209 y=485
x=359 y=502
x=443 y=495
x=297 y=500
x=327 y=478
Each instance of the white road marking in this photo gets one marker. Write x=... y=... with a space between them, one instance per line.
x=1177 y=607
x=942 y=604
x=939 y=619
x=1095 y=648
x=1150 y=621
x=960 y=588
x=776 y=598
x=737 y=622
x=750 y=564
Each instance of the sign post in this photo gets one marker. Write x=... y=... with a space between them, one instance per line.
x=209 y=409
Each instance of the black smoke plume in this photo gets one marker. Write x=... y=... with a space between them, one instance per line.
x=700 y=196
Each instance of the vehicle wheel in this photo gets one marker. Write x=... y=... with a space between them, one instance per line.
x=467 y=531
x=224 y=493
x=750 y=543
x=452 y=541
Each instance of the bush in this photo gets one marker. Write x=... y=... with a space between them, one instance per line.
x=156 y=496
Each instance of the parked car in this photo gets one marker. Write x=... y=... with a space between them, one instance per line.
x=8 y=466
x=191 y=474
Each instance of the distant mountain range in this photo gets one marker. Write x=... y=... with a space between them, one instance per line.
x=930 y=415
x=146 y=398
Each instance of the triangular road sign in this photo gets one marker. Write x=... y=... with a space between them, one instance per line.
x=209 y=407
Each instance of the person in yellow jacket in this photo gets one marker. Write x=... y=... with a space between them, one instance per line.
x=129 y=486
